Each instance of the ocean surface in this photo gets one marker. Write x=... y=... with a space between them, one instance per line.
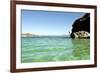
x=49 y=49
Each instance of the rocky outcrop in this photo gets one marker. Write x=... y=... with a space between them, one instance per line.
x=81 y=27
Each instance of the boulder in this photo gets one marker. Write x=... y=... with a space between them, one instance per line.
x=81 y=34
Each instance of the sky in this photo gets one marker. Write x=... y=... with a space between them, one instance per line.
x=48 y=22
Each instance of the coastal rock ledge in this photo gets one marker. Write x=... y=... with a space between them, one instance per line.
x=81 y=27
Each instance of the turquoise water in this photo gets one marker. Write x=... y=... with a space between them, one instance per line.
x=48 y=49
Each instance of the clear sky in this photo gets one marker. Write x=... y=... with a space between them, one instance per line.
x=48 y=22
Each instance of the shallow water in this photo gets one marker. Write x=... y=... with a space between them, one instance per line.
x=47 y=49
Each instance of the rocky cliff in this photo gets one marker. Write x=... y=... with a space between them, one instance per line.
x=81 y=27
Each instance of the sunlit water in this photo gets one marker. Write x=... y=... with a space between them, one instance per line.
x=48 y=49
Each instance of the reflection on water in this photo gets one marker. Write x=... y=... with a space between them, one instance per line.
x=81 y=48
x=47 y=49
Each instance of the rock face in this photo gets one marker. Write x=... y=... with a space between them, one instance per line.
x=81 y=27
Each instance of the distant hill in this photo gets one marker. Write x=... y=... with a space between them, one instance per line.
x=28 y=35
x=36 y=35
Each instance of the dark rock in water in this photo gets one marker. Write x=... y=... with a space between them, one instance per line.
x=80 y=25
